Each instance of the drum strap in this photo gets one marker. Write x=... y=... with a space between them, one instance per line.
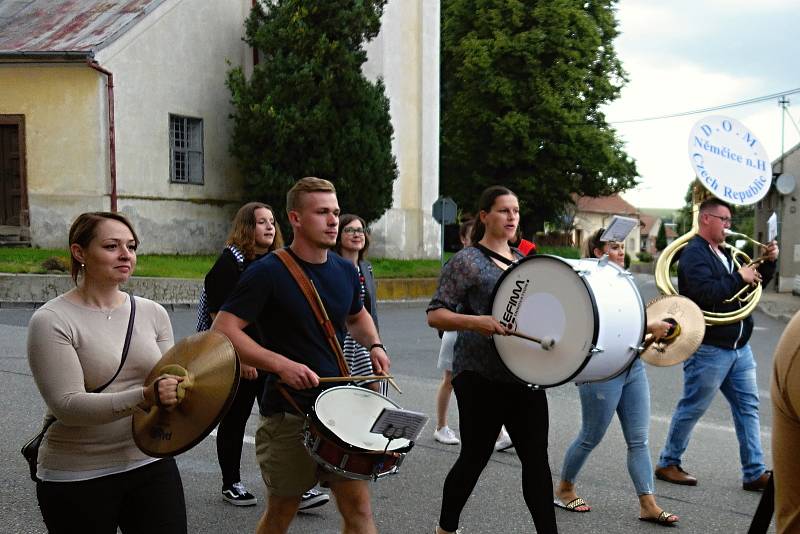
x=494 y=255
x=314 y=300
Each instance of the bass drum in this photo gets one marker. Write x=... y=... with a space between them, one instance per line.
x=590 y=308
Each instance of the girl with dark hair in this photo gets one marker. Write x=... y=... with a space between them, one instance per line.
x=487 y=395
x=352 y=243
x=92 y=476
x=629 y=396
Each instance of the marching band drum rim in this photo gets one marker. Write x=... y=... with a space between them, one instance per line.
x=315 y=420
x=643 y=329
x=595 y=316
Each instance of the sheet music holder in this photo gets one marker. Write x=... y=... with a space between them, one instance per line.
x=394 y=423
x=619 y=228
x=772 y=227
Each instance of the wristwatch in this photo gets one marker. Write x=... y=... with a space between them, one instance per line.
x=380 y=345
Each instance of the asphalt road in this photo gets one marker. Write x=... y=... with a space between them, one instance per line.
x=409 y=502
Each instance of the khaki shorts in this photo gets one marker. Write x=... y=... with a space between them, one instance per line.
x=286 y=466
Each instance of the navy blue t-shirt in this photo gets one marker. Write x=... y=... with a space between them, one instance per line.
x=268 y=295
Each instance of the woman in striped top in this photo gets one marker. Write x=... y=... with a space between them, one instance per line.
x=352 y=244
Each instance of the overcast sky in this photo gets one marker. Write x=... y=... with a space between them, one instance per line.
x=683 y=55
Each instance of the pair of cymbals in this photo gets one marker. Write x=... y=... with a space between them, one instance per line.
x=210 y=368
x=684 y=338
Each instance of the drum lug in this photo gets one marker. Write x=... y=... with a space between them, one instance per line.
x=626 y=274
x=595 y=350
x=343 y=463
x=638 y=348
x=583 y=273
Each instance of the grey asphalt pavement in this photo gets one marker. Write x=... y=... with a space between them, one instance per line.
x=409 y=502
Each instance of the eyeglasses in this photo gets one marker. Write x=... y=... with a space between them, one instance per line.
x=353 y=230
x=725 y=220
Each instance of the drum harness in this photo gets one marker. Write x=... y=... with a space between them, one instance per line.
x=306 y=286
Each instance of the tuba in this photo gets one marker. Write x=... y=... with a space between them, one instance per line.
x=731 y=165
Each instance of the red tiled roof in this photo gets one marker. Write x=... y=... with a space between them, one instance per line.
x=647 y=222
x=613 y=204
x=42 y=27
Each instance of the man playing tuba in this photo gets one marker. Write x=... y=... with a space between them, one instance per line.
x=708 y=276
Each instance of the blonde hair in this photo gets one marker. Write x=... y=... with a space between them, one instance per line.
x=309 y=184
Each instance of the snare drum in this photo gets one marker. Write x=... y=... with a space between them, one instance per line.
x=338 y=437
x=590 y=308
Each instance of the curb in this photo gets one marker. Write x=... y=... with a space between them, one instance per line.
x=30 y=291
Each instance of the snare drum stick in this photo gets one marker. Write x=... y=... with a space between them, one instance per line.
x=546 y=342
x=355 y=378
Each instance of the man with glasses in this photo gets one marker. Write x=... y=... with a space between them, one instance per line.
x=724 y=361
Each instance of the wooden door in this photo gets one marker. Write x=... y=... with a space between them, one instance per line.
x=10 y=175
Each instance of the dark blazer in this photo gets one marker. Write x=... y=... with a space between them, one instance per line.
x=703 y=278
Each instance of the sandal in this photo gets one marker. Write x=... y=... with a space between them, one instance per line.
x=572 y=505
x=663 y=519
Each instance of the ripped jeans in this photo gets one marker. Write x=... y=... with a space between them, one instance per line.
x=629 y=396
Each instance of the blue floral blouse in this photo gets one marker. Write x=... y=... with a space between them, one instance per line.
x=466 y=286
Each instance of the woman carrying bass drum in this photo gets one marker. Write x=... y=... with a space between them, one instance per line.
x=487 y=395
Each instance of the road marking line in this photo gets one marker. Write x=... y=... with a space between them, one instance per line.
x=247 y=439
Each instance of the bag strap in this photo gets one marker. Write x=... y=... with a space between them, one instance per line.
x=314 y=300
x=124 y=347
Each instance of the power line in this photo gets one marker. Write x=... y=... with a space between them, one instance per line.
x=714 y=108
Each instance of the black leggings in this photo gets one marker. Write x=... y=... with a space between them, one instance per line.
x=147 y=500
x=230 y=432
x=484 y=406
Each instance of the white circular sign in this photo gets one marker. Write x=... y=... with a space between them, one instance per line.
x=729 y=160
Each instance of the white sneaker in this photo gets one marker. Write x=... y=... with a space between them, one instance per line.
x=504 y=441
x=446 y=436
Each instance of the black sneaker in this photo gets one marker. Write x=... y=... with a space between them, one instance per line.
x=312 y=499
x=237 y=495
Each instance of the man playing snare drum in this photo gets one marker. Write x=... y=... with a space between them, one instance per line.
x=296 y=352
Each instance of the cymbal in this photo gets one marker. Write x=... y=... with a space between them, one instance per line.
x=210 y=366
x=685 y=339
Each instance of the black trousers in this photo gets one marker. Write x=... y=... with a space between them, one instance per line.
x=147 y=500
x=230 y=432
x=484 y=406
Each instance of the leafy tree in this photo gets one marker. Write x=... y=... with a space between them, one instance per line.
x=307 y=109
x=523 y=82
x=661 y=237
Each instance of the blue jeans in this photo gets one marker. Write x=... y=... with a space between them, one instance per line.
x=734 y=373
x=629 y=396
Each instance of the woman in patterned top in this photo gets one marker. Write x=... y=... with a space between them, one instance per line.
x=352 y=244
x=487 y=395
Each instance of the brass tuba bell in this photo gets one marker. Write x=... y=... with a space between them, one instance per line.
x=748 y=296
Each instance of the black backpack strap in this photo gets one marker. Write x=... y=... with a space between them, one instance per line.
x=124 y=347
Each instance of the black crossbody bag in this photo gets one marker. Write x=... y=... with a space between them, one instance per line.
x=31 y=448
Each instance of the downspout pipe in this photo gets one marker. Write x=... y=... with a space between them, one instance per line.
x=112 y=145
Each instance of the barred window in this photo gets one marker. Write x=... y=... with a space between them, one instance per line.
x=186 y=150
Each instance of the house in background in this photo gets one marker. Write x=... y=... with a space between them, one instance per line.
x=648 y=232
x=122 y=105
x=785 y=206
x=593 y=213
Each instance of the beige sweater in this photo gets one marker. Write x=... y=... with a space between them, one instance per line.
x=72 y=350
